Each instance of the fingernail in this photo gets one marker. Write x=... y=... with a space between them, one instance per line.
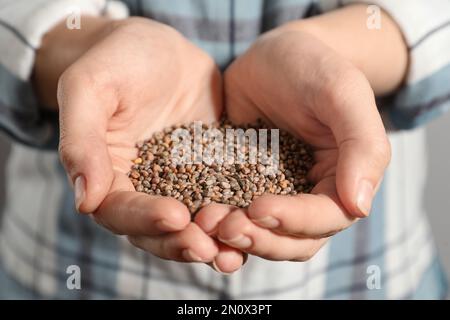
x=267 y=222
x=80 y=191
x=240 y=241
x=365 y=196
x=216 y=268
x=191 y=256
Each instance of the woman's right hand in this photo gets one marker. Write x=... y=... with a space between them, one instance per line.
x=140 y=77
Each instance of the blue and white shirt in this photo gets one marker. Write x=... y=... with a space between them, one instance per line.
x=41 y=235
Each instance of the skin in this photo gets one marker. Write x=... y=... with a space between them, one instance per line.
x=323 y=79
x=121 y=82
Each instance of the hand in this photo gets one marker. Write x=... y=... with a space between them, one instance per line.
x=140 y=77
x=294 y=81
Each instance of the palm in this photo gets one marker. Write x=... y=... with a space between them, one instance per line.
x=139 y=120
x=290 y=84
x=299 y=84
x=147 y=89
x=323 y=173
x=294 y=82
x=142 y=77
x=245 y=105
x=126 y=132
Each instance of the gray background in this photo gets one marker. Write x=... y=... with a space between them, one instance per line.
x=437 y=196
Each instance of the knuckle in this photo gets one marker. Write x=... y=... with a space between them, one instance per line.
x=72 y=150
x=85 y=76
x=380 y=151
x=66 y=151
x=99 y=80
x=340 y=85
x=65 y=77
x=72 y=76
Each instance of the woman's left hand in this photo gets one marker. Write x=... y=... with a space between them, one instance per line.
x=294 y=81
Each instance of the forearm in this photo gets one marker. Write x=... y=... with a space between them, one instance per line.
x=60 y=48
x=381 y=54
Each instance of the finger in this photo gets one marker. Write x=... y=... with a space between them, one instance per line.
x=237 y=231
x=364 y=150
x=228 y=260
x=83 y=116
x=188 y=245
x=209 y=217
x=315 y=215
x=134 y=213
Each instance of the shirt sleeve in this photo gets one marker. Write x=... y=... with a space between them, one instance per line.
x=426 y=29
x=23 y=24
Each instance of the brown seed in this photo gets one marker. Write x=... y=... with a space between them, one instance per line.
x=235 y=186
x=153 y=171
x=149 y=156
x=261 y=168
x=156 y=180
x=134 y=174
x=146 y=183
x=225 y=185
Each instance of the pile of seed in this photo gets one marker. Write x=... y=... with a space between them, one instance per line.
x=197 y=185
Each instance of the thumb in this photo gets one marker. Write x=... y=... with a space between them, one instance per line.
x=360 y=169
x=364 y=149
x=82 y=147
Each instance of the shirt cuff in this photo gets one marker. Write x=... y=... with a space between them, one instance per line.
x=426 y=29
x=23 y=24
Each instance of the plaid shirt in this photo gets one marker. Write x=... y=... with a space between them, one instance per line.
x=41 y=235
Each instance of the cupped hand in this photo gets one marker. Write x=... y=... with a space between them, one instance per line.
x=294 y=81
x=141 y=77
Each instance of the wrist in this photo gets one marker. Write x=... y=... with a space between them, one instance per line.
x=381 y=55
x=60 y=48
